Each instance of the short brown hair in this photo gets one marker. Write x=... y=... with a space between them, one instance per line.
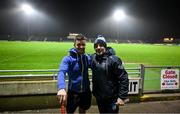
x=80 y=37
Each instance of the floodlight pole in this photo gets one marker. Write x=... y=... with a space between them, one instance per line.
x=28 y=10
x=118 y=31
x=28 y=29
x=118 y=16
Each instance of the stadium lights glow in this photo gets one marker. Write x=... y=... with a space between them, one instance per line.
x=119 y=15
x=27 y=9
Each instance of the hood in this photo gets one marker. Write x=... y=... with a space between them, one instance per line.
x=73 y=51
x=110 y=51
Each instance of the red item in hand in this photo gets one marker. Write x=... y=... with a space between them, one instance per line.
x=62 y=109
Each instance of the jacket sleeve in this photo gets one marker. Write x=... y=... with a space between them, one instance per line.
x=123 y=81
x=62 y=73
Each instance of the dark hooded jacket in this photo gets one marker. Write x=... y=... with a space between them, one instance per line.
x=110 y=79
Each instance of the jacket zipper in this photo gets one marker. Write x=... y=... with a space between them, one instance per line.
x=82 y=73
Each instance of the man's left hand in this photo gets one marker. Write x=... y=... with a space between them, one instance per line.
x=120 y=102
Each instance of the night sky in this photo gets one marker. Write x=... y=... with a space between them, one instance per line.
x=146 y=19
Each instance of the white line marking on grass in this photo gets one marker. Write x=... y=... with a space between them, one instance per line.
x=134 y=63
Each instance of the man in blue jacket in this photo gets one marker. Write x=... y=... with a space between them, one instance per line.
x=76 y=65
x=109 y=78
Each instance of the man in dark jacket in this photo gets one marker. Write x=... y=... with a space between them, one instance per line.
x=110 y=80
x=76 y=65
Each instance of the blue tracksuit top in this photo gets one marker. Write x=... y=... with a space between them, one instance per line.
x=76 y=66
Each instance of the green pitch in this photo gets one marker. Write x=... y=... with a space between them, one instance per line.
x=48 y=55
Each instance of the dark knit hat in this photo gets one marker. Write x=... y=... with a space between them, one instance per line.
x=101 y=40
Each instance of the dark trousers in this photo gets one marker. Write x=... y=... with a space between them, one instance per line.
x=105 y=106
x=74 y=99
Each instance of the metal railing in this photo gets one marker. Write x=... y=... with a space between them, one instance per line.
x=46 y=73
x=155 y=73
x=52 y=73
x=28 y=75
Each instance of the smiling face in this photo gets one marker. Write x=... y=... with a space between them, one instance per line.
x=100 y=49
x=80 y=46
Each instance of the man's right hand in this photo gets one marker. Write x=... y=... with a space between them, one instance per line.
x=62 y=96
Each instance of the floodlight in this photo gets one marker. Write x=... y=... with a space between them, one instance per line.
x=119 y=15
x=27 y=9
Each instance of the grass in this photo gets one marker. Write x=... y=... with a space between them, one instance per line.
x=48 y=55
x=148 y=54
x=32 y=55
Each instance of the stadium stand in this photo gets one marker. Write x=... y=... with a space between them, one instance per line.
x=63 y=38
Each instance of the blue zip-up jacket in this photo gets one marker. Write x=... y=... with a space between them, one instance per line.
x=76 y=66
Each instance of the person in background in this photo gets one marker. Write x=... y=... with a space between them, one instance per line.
x=109 y=78
x=76 y=65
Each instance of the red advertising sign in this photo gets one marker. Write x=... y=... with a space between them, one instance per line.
x=169 y=79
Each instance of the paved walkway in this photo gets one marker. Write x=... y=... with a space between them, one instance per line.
x=172 y=106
